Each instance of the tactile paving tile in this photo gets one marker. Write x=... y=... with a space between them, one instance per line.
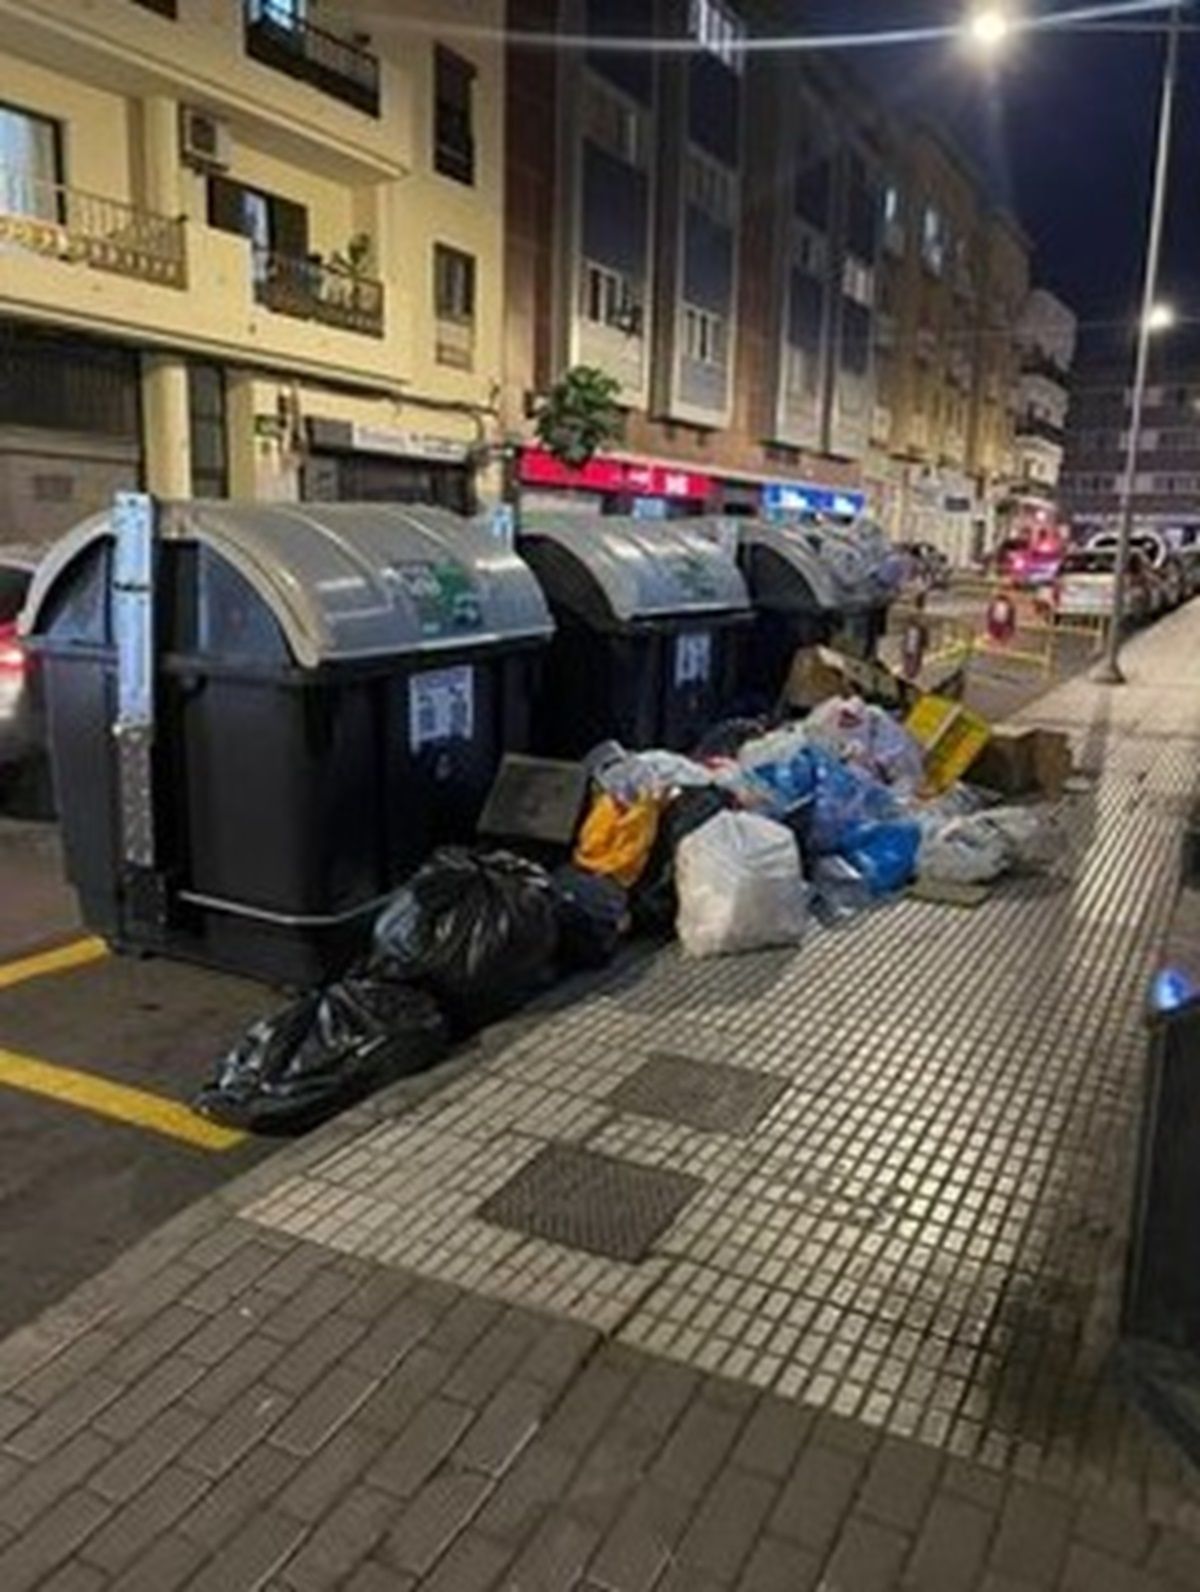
x=591 y=1202
x=698 y=1094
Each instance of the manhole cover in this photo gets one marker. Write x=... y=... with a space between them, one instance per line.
x=588 y=1201
x=698 y=1094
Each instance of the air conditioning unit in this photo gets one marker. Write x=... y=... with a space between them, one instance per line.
x=203 y=140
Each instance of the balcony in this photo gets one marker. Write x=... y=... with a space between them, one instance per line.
x=278 y=36
x=78 y=228
x=1036 y=362
x=1035 y=426
x=454 y=343
x=312 y=291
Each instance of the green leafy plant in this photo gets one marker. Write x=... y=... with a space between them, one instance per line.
x=579 y=415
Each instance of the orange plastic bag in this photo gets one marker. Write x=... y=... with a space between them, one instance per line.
x=616 y=839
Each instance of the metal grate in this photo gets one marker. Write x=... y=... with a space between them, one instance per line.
x=698 y=1094
x=592 y=1202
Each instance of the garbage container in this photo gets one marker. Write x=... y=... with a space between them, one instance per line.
x=263 y=716
x=643 y=650
x=796 y=602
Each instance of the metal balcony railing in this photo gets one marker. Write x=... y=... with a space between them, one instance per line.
x=1045 y=430
x=455 y=342
x=279 y=36
x=62 y=223
x=1036 y=362
x=313 y=291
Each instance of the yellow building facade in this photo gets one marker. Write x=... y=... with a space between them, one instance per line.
x=268 y=230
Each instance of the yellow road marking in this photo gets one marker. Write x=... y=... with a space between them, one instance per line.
x=60 y=960
x=120 y=1101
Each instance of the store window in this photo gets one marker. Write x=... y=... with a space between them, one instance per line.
x=206 y=425
x=30 y=164
x=453 y=117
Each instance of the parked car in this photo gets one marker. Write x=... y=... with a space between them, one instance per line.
x=1084 y=587
x=1031 y=561
x=1185 y=544
x=1170 y=583
x=24 y=763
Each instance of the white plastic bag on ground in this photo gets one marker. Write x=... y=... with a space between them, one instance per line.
x=979 y=848
x=740 y=886
x=629 y=775
x=865 y=735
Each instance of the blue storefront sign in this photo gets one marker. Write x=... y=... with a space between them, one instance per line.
x=801 y=497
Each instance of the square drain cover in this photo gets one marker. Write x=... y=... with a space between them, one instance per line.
x=698 y=1094
x=593 y=1202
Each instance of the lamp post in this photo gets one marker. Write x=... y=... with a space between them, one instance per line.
x=1153 y=317
x=988 y=30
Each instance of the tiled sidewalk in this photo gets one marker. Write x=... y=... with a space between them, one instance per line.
x=796 y=1271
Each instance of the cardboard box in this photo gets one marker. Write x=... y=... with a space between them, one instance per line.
x=1019 y=762
x=818 y=673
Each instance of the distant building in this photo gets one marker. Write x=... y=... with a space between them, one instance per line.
x=1166 y=488
x=1046 y=338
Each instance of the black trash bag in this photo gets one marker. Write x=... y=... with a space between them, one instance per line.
x=727 y=738
x=593 y=914
x=324 y=1052
x=654 y=902
x=476 y=928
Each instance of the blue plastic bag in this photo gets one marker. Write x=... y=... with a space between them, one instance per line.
x=885 y=854
x=843 y=798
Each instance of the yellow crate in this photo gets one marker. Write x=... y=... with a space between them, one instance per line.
x=951 y=735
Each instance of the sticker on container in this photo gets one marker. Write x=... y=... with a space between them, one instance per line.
x=441 y=707
x=442 y=594
x=693 y=657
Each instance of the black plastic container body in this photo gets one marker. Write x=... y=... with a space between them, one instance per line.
x=288 y=802
x=655 y=681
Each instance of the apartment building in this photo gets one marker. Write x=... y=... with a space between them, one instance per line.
x=1046 y=338
x=703 y=226
x=249 y=247
x=1166 y=487
x=953 y=282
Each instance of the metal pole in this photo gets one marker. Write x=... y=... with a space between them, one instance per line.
x=1109 y=671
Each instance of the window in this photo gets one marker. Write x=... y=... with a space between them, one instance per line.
x=453 y=284
x=274 y=225
x=165 y=8
x=719 y=30
x=453 y=123
x=933 y=240
x=608 y=299
x=614 y=124
x=891 y=205
x=454 y=306
x=856 y=338
x=703 y=336
x=279 y=13
x=858 y=282
x=810 y=252
x=709 y=187
x=30 y=164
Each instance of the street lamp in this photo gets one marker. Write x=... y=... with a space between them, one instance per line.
x=989 y=29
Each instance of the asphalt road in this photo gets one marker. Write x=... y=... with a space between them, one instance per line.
x=77 y=1186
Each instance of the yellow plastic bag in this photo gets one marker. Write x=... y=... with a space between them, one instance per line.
x=616 y=839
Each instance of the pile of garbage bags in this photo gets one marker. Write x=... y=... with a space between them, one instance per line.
x=733 y=849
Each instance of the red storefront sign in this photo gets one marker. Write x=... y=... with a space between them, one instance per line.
x=539 y=468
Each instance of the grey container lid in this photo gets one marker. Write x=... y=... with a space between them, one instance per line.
x=646 y=569
x=350 y=581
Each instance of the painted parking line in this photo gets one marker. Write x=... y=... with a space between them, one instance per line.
x=118 y=1101
x=61 y=959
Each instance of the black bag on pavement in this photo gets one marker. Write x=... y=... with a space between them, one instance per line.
x=476 y=928
x=324 y=1052
x=593 y=911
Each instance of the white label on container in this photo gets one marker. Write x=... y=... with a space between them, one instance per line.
x=693 y=657
x=441 y=707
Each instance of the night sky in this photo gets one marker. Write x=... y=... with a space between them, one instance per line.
x=1064 y=129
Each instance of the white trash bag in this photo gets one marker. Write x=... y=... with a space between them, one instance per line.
x=740 y=886
x=981 y=846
